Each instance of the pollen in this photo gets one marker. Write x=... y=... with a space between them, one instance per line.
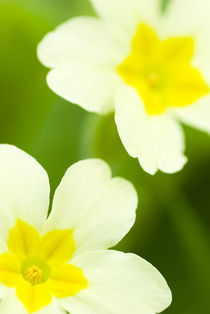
x=33 y=275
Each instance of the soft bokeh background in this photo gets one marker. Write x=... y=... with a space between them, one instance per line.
x=172 y=229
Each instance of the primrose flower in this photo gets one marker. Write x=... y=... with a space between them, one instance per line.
x=152 y=69
x=60 y=263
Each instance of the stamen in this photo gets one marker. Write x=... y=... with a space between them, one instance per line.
x=33 y=275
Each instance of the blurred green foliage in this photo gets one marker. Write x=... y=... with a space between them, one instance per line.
x=172 y=227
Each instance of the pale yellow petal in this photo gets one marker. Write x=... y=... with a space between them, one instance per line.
x=57 y=247
x=180 y=49
x=67 y=281
x=33 y=297
x=9 y=269
x=185 y=86
x=23 y=240
x=145 y=41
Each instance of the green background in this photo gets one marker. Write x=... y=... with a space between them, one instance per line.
x=172 y=227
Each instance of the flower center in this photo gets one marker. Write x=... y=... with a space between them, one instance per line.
x=161 y=71
x=37 y=266
x=33 y=275
x=153 y=80
x=35 y=270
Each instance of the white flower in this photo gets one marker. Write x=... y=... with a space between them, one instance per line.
x=154 y=70
x=60 y=263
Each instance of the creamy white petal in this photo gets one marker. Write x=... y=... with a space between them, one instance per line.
x=24 y=190
x=197 y=115
x=91 y=88
x=84 y=40
x=84 y=54
x=157 y=141
x=190 y=14
x=127 y=14
x=123 y=13
x=118 y=283
x=52 y=308
x=187 y=17
x=11 y=304
x=100 y=210
x=3 y=291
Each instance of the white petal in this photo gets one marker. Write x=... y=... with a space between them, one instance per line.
x=127 y=14
x=11 y=304
x=52 y=308
x=190 y=14
x=91 y=88
x=24 y=190
x=83 y=39
x=118 y=283
x=186 y=17
x=84 y=54
x=157 y=141
x=100 y=210
x=3 y=291
x=196 y=115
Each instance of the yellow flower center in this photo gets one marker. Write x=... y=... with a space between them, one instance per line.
x=35 y=271
x=161 y=71
x=153 y=80
x=38 y=266
x=33 y=275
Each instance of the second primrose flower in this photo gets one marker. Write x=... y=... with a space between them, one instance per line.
x=152 y=69
x=61 y=263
